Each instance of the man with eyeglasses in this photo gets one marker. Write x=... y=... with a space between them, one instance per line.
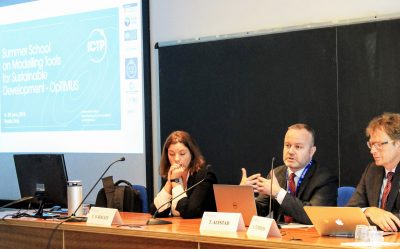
x=300 y=182
x=378 y=189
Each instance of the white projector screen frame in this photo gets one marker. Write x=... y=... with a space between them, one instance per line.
x=72 y=77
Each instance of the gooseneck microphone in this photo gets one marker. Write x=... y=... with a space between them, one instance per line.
x=155 y=221
x=270 y=196
x=73 y=218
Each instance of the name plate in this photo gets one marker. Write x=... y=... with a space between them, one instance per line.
x=262 y=227
x=103 y=216
x=221 y=222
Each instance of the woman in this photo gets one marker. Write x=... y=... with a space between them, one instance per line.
x=183 y=166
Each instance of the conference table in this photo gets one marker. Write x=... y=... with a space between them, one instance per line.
x=134 y=233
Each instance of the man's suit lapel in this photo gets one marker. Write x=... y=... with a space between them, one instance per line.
x=306 y=179
x=377 y=178
x=394 y=190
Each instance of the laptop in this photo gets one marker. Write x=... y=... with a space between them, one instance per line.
x=236 y=199
x=336 y=221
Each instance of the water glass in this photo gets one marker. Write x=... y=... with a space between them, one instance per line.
x=375 y=236
x=361 y=233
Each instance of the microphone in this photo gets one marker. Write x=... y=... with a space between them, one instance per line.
x=155 y=221
x=270 y=196
x=26 y=198
x=73 y=218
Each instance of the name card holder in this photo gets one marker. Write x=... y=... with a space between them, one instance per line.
x=262 y=227
x=221 y=222
x=103 y=216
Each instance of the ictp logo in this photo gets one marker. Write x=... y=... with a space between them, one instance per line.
x=97 y=45
x=339 y=222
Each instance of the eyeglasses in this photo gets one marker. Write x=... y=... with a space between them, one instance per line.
x=377 y=145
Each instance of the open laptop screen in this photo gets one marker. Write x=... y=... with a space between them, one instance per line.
x=236 y=199
x=336 y=221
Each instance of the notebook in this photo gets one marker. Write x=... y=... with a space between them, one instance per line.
x=236 y=199
x=336 y=221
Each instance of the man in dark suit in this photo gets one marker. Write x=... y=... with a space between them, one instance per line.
x=378 y=189
x=300 y=182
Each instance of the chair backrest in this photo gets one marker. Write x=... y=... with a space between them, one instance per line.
x=344 y=195
x=143 y=196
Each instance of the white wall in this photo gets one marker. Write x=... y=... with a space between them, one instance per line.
x=183 y=19
x=85 y=167
x=172 y=20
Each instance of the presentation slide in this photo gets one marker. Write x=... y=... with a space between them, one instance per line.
x=71 y=77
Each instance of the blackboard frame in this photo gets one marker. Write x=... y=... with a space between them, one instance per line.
x=238 y=96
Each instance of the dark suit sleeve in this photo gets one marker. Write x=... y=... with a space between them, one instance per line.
x=200 y=198
x=262 y=205
x=359 y=198
x=321 y=191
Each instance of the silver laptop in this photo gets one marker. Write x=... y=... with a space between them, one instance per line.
x=336 y=221
x=236 y=199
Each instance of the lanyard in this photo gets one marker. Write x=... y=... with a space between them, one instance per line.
x=301 y=176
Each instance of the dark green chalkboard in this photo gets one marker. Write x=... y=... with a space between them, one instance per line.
x=238 y=96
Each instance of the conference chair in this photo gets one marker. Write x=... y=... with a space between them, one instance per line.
x=143 y=197
x=344 y=195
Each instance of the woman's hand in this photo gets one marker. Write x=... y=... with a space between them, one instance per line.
x=175 y=171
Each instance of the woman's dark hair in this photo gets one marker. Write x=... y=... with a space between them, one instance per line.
x=181 y=137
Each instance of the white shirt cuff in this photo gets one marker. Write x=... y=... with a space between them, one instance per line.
x=280 y=196
x=178 y=189
x=162 y=198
